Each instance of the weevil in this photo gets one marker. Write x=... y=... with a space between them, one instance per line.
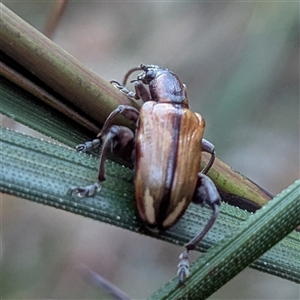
x=166 y=147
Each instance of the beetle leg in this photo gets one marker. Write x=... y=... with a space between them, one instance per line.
x=123 y=89
x=116 y=136
x=207 y=146
x=183 y=266
x=129 y=112
x=205 y=193
x=141 y=92
x=88 y=145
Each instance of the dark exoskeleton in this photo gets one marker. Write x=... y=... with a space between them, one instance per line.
x=167 y=144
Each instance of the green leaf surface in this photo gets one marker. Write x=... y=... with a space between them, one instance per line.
x=247 y=242
x=22 y=107
x=42 y=172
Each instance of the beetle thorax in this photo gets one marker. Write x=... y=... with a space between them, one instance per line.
x=167 y=88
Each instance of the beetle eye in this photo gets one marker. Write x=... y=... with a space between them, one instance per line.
x=148 y=76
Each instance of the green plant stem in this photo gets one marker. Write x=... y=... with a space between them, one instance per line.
x=58 y=69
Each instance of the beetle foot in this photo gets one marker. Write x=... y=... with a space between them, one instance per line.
x=183 y=266
x=88 y=145
x=86 y=191
x=81 y=148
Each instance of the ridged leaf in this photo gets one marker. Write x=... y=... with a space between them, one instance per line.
x=42 y=172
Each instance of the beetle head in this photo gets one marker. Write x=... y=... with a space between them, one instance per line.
x=150 y=73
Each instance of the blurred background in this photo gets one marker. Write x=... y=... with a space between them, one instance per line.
x=240 y=62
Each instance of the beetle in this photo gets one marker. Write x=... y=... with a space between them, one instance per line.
x=166 y=148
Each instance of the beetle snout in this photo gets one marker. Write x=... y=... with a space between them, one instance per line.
x=150 y=73
x=146 y=77
x=147 y=67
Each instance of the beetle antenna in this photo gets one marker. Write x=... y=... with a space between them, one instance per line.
x=129 y=73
